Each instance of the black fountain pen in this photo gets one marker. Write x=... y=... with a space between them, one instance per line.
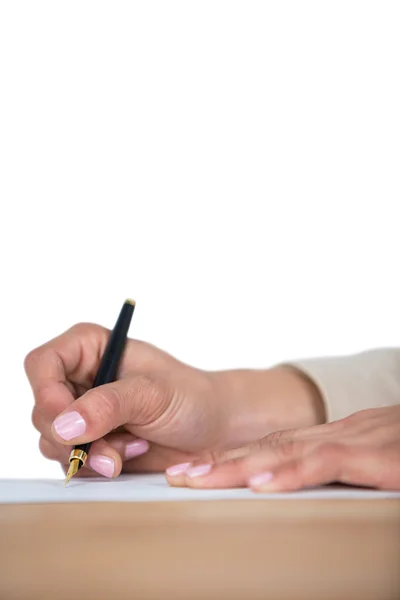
x=106 y=374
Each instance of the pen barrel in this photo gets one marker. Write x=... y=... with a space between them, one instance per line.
x=108 y=369
x=109 y=364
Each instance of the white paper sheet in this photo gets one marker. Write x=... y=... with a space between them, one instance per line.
x=151 y=488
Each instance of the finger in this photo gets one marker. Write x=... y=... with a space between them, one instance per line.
x=124 y=442
x=212 y=470
x=329 y=463
x=103 y=458
x=76 y=351
x=316 y=432
x=320 y=466
x=50 y=450
x=236 y=472
x=40 y=423
x=176 y=474
x=49 y=402
x=203 y=475
x=156 y=460
x=127 y=445
x=137 y=401
x=73 y=355
x=106 y=456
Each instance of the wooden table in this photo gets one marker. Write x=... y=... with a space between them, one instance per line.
x=298 y=550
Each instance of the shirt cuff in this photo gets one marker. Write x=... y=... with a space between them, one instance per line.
x=348 y=384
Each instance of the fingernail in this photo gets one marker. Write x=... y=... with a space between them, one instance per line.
x=261 y=480
x=102 y=464
x=178 y=469
x=136 y=448
x=199 y=470
x=70 y=425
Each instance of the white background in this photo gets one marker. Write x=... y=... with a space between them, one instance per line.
x=234 y=166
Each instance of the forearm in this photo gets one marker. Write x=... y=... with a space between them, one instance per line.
x=307 y=392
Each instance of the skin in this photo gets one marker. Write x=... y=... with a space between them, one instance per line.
x=362 y=449
x=182 y=412
x=262 y=429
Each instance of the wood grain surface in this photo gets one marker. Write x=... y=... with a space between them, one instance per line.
x=238 y=550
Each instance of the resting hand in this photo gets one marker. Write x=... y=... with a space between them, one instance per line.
x=362 y=450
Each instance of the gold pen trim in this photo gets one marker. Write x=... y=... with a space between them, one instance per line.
x=77 y=459
x=78 y=455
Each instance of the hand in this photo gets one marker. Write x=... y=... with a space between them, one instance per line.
x=362 y=450
x=181 y=411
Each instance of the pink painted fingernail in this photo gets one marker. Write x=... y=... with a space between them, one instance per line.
x=102 y=464
x=261 y=479
x=70 y=425
x=136 y=448
x=178 y=469
x=198 y=471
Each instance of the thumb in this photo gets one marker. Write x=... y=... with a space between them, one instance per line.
x=137 y=400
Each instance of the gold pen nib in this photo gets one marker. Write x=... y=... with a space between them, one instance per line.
x=73 y=469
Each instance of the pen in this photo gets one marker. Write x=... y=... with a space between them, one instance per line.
x=106 y=373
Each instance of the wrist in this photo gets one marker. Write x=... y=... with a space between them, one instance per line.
x=257 y=402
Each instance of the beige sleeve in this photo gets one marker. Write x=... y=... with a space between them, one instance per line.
x=351 y=383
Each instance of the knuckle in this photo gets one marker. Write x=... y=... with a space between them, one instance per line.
x=335 y=427
x=276 y=438
x=366 y=413
x=214 y=458
x=358 y=416
x=349 y=420
x=44 y=401
x=80 y=327
x=237 y=453
x=257 y=445
x=282 y=444
x=219 y=457
x=44 y=355
x=31 y=360
x=36 y=419
x=85 y=327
